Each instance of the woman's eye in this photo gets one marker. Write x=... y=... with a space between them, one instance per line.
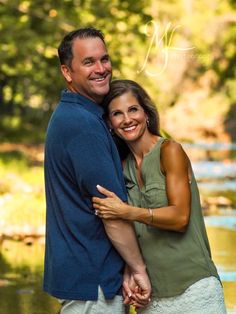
x=115 y=114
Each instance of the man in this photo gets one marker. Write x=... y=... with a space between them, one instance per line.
x=82 y=267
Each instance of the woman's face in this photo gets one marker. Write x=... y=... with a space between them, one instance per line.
x=127 y=117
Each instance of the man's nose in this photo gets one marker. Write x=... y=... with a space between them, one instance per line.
x=100 y=67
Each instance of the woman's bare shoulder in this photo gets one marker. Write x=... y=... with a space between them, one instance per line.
x=170 y=146
x=172 y=151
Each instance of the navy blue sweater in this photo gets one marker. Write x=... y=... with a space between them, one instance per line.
x=79 y=154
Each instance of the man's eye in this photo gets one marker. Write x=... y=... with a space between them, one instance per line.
x=87 y=62
x=106 y=59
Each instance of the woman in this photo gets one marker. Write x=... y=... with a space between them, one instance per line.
x=164 y=203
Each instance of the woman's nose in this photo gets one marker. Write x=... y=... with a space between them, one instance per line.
x=127 y=118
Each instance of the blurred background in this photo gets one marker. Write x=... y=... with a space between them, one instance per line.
x=182 y=51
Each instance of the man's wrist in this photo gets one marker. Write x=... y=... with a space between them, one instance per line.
x=139 y=269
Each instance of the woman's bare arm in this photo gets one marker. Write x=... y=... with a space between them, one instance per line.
x=175 y=216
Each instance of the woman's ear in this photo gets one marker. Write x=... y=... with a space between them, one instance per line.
x=109 y=125
x=147 y=120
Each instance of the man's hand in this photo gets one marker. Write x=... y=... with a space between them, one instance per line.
x=142 y=290
x=136 y=288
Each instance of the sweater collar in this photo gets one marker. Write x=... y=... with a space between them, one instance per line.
x=76 y=98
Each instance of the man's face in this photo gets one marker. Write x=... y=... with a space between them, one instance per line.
x=90 y=72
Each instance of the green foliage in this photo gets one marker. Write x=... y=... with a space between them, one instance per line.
x=155 y=54
x=29 y=68
x=28 y=127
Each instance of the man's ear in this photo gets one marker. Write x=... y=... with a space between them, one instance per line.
x=66 y=72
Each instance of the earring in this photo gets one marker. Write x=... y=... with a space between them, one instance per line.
x=111 y=131
x=148 y=122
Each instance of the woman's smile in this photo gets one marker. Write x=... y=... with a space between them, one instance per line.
x=130 y=128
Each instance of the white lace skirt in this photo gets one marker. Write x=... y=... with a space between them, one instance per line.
x=203 y=297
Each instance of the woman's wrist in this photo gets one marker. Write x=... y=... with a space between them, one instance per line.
x=132 y=213
x=126 y=212
x=150 y=218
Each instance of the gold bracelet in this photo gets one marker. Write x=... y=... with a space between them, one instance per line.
x=151 y=215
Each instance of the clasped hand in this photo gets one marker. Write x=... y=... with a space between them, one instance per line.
x=136 y=291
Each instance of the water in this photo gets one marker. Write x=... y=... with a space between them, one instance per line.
x=214 y=166
x=222 y=239
x=214 y=169
x=211 y=146
x=218 y=186
x=21 y=280
x=226 y=220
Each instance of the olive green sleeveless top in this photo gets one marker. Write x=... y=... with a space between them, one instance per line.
x=174 y=260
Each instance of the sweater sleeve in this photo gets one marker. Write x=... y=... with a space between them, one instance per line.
x=92 y=157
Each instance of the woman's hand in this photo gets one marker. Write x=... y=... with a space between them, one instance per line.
x=110 y=207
